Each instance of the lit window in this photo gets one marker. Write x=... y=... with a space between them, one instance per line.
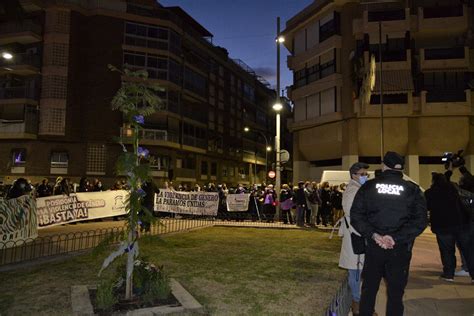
x=19 y=157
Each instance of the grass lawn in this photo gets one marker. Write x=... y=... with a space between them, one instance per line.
x=231 y=271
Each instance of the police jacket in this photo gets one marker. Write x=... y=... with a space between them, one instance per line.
x=389 y=205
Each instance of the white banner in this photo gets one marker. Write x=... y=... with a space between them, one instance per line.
x=196 y=203
x=238 y=202
x=61 y=209
x=17 y=220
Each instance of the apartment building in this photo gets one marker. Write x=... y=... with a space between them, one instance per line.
x=427 y=53
x=55 y=94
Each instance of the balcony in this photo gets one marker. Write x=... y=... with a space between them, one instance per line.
x=444 y=58
x=24 y=33
x=443 y=19
x=18 y=93
x=151 y=137
x=393 y=60
x=18 y=122
x=446 y=102
x=195 y=142
x=21 y=64
x=392 y=21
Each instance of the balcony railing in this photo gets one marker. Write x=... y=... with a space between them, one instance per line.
x=445 y=96
x=25 y=26
x=195 y=142
x=22 y=59
x=444 y=53
x=27 y=125
x=151 y=134
x=443 y=12
x=22 y=92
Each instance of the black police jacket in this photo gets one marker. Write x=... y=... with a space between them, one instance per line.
x=389 y=205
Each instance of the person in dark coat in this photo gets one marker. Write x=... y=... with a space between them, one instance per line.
x=44 y=189
x=389 y=213
x=300 y=201
x=450 y=221
x=326 y=206
x=20 y=187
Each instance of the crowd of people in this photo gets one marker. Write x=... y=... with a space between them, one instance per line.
x=308 y=204
x=380 y=219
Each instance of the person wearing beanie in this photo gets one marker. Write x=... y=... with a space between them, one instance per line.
x=389 y=212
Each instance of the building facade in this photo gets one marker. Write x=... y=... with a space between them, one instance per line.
x=55 y=94
x=427 y=53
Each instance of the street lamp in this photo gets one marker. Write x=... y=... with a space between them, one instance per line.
x=7 y=55
x=278 y=107
x=268 y=148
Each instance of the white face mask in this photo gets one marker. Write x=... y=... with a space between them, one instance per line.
x=363 y=179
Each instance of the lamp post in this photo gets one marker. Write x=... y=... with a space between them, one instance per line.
x=278 y=107
x=267 y=147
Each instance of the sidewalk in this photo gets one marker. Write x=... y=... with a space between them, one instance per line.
x=426 y=294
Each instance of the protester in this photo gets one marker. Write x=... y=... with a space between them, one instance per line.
x=19 y=188
x=44 y=189
x=325 y=209
x=390 y=213
x=347 y=259
x=300 y=204
x=269 y=203
x=286 y=203
x=450 y=221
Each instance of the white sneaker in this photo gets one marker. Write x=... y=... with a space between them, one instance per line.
x=461 y=273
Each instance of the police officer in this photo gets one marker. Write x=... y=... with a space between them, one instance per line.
x=390 y=213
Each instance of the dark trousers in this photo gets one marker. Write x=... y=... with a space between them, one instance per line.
x=447 y=250
x=392 y=265
x=286 y=216
x=300 y=215
x=308 y=215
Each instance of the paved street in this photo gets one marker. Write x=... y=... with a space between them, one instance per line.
x=426 y=294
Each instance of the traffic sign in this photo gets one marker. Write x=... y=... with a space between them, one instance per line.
x=271 y=174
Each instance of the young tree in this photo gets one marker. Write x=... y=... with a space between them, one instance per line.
x=136 y=98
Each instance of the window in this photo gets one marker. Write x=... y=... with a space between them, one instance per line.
x=249 y=92
x=443 y=11
x=329 y=28
x=96 y=158
x=59 y=159
x=158 y=163
x=231 y=171
x=156 y=66
x=204 y=167
x=195 y=82
x=213 y=168
x=390 y=15
x=399 y=98
x=19 y=157
x=147 y=36
x=299 y=78
x=189 y=163
x=328 y=68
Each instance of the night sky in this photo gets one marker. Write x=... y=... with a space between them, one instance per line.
x=247 y=29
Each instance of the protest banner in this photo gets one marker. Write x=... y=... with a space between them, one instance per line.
x=17 y=220
x=195 y=203
x=238 y=202
x=61 y=209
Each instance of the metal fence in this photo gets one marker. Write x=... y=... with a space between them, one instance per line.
x=60 y=244
x=341 y=303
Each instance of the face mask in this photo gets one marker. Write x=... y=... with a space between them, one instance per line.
x=363 y=179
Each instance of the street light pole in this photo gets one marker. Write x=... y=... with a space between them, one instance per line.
x=279 y=40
